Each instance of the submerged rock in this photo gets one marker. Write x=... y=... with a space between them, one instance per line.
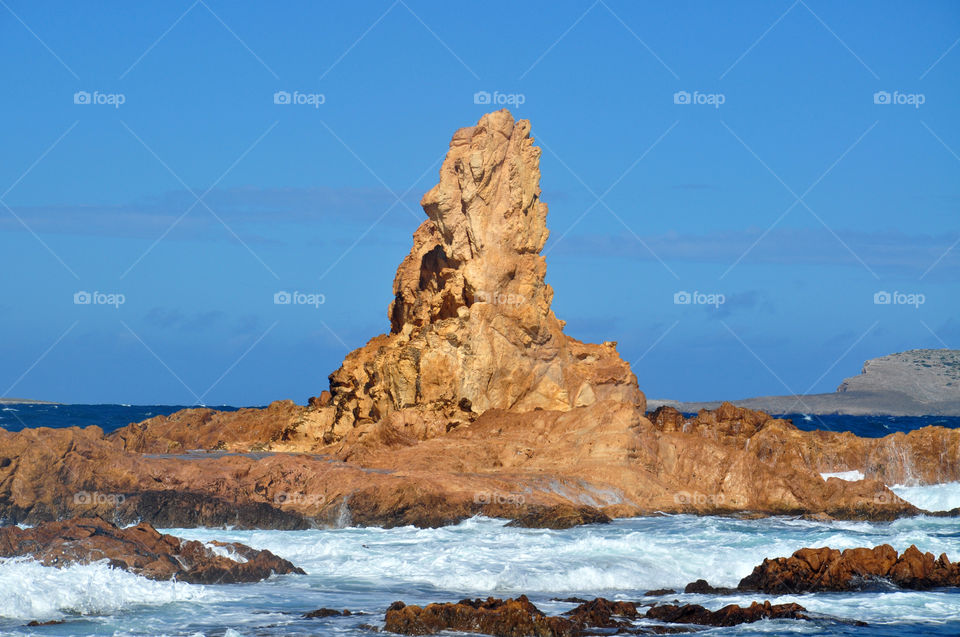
x=727 y=616
x=560 y=516
x=520 y=618
x=143 y=551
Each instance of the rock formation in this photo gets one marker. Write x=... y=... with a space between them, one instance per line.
x=518 y=617
x=476 y=402
x=471 y=327
x=141 y=550
x=730 y=615
x=826 y=569
x=829 y=570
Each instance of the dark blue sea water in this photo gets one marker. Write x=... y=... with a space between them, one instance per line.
x=107 y=417
x=112 y=417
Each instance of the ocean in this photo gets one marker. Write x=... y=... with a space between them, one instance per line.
x=366 y=569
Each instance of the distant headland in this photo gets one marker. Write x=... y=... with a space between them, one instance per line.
x=918 y=382
x=25 y=401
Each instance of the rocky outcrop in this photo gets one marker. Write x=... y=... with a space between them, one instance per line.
x=560 y=516
x=926 y=375
x=730 y=615
x=475 y=402
x=141 y=550
x=826 y=569
x=506 y=618
x=520 y=618
x=471 y=328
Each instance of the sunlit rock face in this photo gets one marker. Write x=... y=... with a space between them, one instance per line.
x=471 y=326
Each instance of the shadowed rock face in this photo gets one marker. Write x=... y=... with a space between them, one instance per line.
x=471 y=324
x=519 y=618
x=141 y=550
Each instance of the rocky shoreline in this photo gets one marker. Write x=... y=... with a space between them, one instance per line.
x=142 y=550
x=475 y=402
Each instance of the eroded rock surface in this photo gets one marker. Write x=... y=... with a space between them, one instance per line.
x=471 y=323
x=141 y=550
x=727 y=616
x=475 y=402
x=826 y=569
x=520 y=618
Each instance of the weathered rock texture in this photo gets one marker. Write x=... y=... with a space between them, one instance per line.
x=520 y=618
x=826 y=569
x=475 y=402
x=730 y=615
x=471 y=324
x=141 y=550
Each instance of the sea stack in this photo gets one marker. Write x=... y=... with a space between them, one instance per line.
x=471 y=327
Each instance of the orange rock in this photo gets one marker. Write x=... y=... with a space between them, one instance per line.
x=825 y=569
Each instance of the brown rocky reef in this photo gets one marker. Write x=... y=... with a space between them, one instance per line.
x=829 y=570
x=826 y=569
x=520 y=618
x=475 y=402
x=141 y=550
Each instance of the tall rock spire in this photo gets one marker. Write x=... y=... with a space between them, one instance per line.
x=471 y=326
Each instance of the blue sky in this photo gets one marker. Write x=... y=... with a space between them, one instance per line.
x=795 y=200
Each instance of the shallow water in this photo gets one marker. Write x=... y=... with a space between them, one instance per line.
x=367 y=569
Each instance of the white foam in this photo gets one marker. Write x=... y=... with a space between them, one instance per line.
x=849 y=476
x=225 y=551
x=932 y=497
x=33 y=591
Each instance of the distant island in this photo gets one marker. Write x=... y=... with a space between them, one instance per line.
x=918 y=382
x=25 y=401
